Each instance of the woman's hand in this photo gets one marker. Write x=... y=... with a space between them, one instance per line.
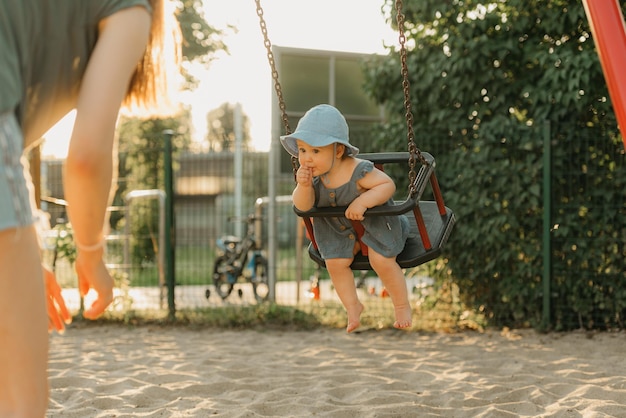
x=58 y=315
x=92 y=274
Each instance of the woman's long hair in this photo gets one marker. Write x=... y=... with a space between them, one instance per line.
x=157 y=76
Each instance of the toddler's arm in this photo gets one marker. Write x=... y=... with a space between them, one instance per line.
x=377 y=188
x=303 y=195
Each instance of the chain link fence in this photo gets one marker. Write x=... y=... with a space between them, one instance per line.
x=213 y=194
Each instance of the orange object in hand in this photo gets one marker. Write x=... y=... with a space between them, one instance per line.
x=58 y=315
x=314 y=292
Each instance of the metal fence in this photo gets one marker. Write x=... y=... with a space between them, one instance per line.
x=212 y=196
x=162 y=246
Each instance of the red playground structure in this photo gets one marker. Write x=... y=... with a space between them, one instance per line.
x=609 y=32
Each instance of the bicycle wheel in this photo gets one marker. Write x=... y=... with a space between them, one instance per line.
x=260 y=284
x=223 y=279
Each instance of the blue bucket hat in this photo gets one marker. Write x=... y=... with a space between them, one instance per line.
x=320 y=126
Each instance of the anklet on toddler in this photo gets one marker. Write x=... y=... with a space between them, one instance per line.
x=90 y=248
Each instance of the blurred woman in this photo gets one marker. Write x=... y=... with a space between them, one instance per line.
x=95 y=56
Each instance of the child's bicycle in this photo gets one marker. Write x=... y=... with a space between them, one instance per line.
x=237 y=259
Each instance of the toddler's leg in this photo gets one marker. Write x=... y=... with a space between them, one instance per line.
x=343 y=280
x=393 y=279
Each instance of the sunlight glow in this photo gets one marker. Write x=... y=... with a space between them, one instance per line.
x=57 y=139
x=244 y=76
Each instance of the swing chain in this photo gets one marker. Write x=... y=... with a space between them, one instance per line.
x=277 y=86
x=413 y=150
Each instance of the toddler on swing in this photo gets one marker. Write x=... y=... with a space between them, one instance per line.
x=331 y=175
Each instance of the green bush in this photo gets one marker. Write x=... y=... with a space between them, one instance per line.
x=491 y=86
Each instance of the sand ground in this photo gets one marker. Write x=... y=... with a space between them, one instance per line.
x=150 y=371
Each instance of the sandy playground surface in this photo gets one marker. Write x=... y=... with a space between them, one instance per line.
x=150 y=371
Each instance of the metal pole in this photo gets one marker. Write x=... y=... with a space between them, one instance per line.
x=169 y=222
x=331 y=77
x=273 y=171
x=547 y=225
x=238 y=163
x=272 y=242
x=270 y=203
x=299 y=263
x=150 y=194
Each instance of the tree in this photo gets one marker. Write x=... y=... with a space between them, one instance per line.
x=486 y=79
x=141 y=140
x=474 y=67
x=141 y=167
x=221 y=128
x=200 y=40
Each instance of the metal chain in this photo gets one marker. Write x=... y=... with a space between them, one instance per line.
x=277 y=86
x=413 y=150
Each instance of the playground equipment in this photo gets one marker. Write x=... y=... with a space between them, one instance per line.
x=433 y=221
x=609 y=33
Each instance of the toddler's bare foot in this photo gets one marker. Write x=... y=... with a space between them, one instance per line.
x=403 y=316
x=354 y=316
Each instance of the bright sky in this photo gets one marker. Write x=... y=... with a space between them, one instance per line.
x=244 y=76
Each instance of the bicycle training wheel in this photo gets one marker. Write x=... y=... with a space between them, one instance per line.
x=223 y=278
x=260 y=284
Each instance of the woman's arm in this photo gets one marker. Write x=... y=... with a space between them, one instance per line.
x=89 y=166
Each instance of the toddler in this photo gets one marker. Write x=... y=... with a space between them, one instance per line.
x=331 y=175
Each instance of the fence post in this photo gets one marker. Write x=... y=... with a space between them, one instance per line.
x=547 y=224
x=170 y=234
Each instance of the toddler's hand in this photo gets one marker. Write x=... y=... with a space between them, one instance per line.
x=355 y=211
x=304 y=176
x=58 y=315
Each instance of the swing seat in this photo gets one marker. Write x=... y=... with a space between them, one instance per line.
x=431 y=221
